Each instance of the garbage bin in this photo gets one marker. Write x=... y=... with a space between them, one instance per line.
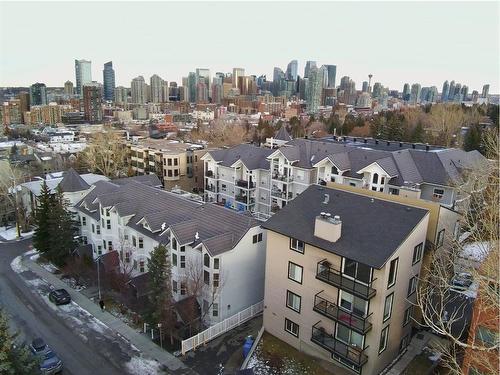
x=247 y=345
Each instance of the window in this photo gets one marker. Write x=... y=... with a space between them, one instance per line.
x=352 y=184
x=108 y=224
x=393 y=191
x=103 y=243
x=176 y=172
x=206 y=277
x=297 y=245
x=293 y=301
x=98 y=229
x=84 y=220
x=383 y=339
x=356 y=270
x=107 y=211
x=393 y=271
x=176 y=161
x=141 y=266
x=183 y=261
x=206 y=260
x=134 y=241
x=141 y=243
x=438 y=193
x=349 y=336
x=169 y=173
x=295 y=272
x=375 y=178
x=174 y=259
x=407 y=315
x=291 y=327
x=335 y=170
x=353 y=304
x=388 y=306
x=257 y=238
x=183 y=288
x=174 y=243
x=417 y=253
x=110 y=245
x=215 y=307
x=216 y=280
x=412 y=286
x=174 y=286
x=487 y=336
x=183 y=249
x=169 y=162
x=99 y=249
x=440 y=238
x=93 y=228
x=216 y=264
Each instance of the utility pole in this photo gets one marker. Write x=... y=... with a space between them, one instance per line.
x=14 y=188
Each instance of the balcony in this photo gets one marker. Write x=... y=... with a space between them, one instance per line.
x=352 y=354
x=282 y=177
x=336 y=278
x=210 y=174
x=333 y=311
x=210 y=188
x=245 y=184
x=281 y=194
x=244 y=199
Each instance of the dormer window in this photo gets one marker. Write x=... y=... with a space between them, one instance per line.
x=335 y=170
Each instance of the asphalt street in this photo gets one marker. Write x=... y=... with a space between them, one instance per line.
x=90 y=353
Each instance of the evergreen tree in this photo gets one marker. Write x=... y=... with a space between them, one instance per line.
x=14 y=360
x=472 y=139
x=418 y=134
x=63 y=230
x=42 y=231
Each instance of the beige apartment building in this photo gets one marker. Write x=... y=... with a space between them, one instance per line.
x=341 y=276
x=176 y=164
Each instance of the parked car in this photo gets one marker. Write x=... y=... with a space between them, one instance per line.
x=49 y=361
x=60 y=297
x=461 y=281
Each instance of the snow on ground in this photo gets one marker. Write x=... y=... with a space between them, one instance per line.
x=9 y=233
x=142 y=366
x=49 y=267
x=17 y=265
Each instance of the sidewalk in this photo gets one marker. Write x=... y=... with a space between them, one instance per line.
x=139 y=340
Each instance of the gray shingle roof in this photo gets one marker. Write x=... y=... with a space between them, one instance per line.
x=253 y=157
x=146 y=179
x=283 y=135
x=371 y=230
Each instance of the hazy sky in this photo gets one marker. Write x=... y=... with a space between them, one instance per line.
x=397 y=42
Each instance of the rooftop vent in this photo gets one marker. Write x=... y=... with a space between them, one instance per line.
x=427 y=147
x=413 y=145
x=328 y=228
x=327 y=199
x=365 y=140
x=388 y=143
x=400 y=144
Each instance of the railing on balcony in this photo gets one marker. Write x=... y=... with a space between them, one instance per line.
x=210 y=174
x=210 y=188
x=333 y=311
x=336 y=278
x=275 y=208
x=350 y=353
x=245 y=184
x=282 y=177
x=245 y=199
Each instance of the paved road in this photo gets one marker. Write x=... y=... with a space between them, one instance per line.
x=33 y=317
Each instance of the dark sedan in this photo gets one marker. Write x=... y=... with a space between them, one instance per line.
x=60 y=297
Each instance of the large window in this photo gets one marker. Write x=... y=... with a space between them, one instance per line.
x=353 y=304
x=183 y=261
x=141 y=243
x=438 y=193
x=349 y=336
x=291 y=327
x=293 y=301
x=295 y=272
x=297 y=245
x=356 y=270
x=417 y=253
x=393 y=271
x=384 y=335
x=388 y=306
x=257 y=238
x=174 y=259
x=412 y=285
x=84 y=220
x=216 y=263
x=206 y=277
x=206 y=260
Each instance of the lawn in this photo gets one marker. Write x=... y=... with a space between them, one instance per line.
x=274 y=357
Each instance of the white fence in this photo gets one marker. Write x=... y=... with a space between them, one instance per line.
x=221 y=327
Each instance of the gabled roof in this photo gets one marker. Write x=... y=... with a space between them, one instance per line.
x=372 y=229
x=72 y=182
x=283 y=135
x=252 y=156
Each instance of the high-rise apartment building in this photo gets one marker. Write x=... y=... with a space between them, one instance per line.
x=331 y=72
x=445 y=92
x=308 y=67
x=83 y=73
x=486 y=89
x=192 y=87
x=416 y=88
x=292 y=70
x=364 y=86
x=157 y=83
x=451 y=92
x=139 y=90
x=109 y=81
x=38 y=94
x=315 y=88
x=203 y=75
x=24 y=101
x=68 y=88
x=237 y=73
x=92 y=99
x=406 y=92
x=377 y=90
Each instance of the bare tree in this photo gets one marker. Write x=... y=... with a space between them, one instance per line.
x=443 y=309
x=10 y=199
x=106 y=154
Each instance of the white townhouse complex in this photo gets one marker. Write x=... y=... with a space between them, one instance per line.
x=341 y=276
x=263 y=181
x=217 y=254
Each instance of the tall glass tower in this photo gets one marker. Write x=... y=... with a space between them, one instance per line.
x=38 y=94
x=109 y=81
x=83 y=73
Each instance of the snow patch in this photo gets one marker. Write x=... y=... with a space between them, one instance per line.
x=17 y=265
x=49 y=267
x=142 y=366
x=9 y=233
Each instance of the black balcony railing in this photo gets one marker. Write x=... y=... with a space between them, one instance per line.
x=333 y=311
x=210 y=188
x=350 y=353
x=245 y=184
x=209 y=173
x=336 y=278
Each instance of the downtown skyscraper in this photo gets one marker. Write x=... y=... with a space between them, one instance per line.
x=38 y=94
x=83 y=74
x=292 y=70
x=109 y=81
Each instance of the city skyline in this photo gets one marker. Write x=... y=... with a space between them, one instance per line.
x=401 y=54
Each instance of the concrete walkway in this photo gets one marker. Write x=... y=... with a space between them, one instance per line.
x=139 y=340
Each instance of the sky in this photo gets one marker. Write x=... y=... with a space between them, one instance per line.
x=397 y=42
